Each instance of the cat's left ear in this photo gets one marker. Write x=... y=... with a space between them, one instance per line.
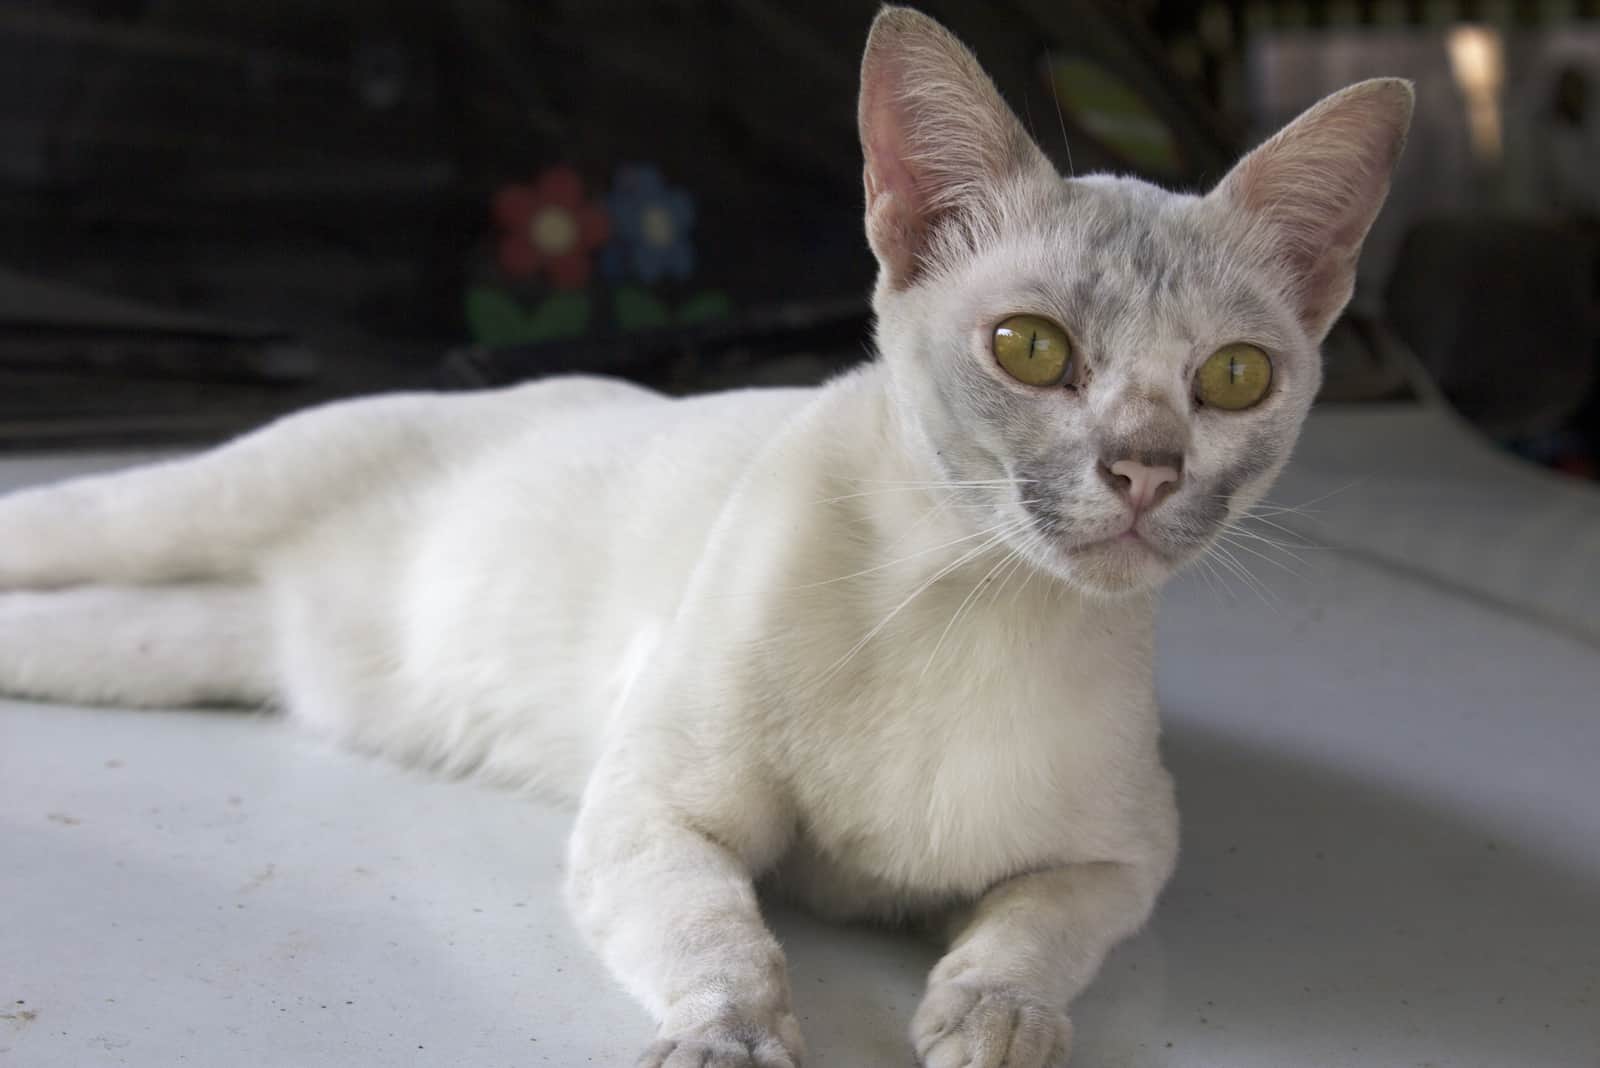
x=1312 y=191
x=940 y=143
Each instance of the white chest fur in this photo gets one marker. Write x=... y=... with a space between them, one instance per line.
x=1025 y=741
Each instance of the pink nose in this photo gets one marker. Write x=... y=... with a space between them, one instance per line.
x=1144 y=485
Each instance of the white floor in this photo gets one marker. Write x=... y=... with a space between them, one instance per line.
x=1389 y=767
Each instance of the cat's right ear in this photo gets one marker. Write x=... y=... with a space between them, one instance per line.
x=938 y=139
x=1312 y=191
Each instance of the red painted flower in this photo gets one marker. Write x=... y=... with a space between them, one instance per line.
x=550 y=226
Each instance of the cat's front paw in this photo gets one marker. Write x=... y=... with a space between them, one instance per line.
x=974 y=1025
x=773 y=1043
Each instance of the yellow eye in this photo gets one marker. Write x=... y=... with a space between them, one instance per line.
x=1234 y=378
x=1032 y=350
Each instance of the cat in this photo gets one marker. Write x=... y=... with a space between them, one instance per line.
x=882 y=647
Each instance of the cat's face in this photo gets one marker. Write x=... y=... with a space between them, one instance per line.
x=1146 y=287
x=1115 y=372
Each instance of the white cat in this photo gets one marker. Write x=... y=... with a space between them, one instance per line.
x=882 y=646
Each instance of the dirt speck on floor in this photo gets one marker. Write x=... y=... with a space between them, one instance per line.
x=20 y=1019
x=113 y=763
x=260 y=879
x=63 y=819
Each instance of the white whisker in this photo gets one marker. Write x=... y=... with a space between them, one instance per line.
x=1019 y=562
x=1290 y=531
x=962 y=608
x=900 y=560
x=942 y=482
x=999 y=534
x=1061 y=122
x=1232 y=563
x=1028 y=565
x=932 y=513
x=1233 y=533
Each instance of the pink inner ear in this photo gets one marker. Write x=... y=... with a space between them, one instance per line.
x=888 y=173
x=936 y=136
x=1318 y=204
x=1319 y=227
x=883 y=125
x=895 y=222
x=1319 y=183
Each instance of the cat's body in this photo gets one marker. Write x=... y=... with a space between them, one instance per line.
x=517 y=680
x=883 y=645
x=497 y=605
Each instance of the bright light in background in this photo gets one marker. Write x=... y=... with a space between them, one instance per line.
x=1477 y=59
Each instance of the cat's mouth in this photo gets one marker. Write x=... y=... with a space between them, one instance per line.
x=1129 y=538
x=1111 y=554
x=1128 y=559
x=1121 y=562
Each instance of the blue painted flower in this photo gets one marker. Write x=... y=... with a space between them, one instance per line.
x=650 y=224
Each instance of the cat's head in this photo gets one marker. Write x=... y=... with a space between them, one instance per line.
x=1122 y=370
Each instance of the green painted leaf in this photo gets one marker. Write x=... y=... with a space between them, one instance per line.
x=561 y=315
x=705 y=307
x=494 y=318
x=638 y=310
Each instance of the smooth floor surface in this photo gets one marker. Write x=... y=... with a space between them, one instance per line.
x=1388 y=761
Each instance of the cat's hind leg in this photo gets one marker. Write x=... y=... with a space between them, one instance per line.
x=158 y=646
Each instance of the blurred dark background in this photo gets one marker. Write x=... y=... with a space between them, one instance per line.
x=215 y=211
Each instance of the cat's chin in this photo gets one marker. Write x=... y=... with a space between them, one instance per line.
x=1114 y=567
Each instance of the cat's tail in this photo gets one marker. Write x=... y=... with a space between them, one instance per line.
x=151 y=646
x=139 y=587
x=210 y=517
x=143 y=587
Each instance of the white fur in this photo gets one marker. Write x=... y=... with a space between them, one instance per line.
x=865 y=643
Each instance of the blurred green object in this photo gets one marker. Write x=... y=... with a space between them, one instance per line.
x=1106 y=108
x=638 y=310
x=496 y=318
x=705 y=307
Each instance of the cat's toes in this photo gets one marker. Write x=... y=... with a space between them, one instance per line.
x=700 y=1053
x=961 y=1025
x=723 y=1046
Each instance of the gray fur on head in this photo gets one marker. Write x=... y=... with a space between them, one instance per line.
x=971 y=224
